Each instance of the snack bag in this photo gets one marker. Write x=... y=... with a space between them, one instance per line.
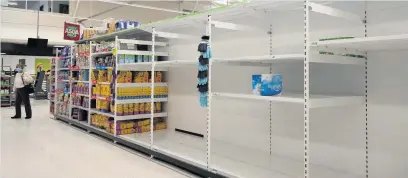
x=110 y=75
x=119 y=109
x=143 y=123
x=136 y=108
x=158 y=107
x=141 y=108
x=130 y=112
x=160 y=126
x=145 y=77
x=147 y=107
x=125 y=109
x=158 y=77
x=112 y=107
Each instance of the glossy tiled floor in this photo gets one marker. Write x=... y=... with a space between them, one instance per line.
x=45 y=148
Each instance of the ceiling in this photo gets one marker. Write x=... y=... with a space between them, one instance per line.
x=127 y=10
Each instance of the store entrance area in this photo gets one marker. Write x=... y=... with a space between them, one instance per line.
x=43 y=147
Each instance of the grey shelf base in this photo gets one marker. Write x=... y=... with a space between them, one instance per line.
x=146 y=151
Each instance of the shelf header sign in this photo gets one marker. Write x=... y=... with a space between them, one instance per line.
x=71 y=31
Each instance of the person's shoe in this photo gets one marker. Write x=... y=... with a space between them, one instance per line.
x=28 y=117
x=16 y=117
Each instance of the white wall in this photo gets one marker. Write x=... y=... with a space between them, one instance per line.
x=12 y=60
x=51 y=27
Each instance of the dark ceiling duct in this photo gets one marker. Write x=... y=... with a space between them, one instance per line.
x=22 y=49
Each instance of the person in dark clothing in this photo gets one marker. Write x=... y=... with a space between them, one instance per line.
x=21 y=79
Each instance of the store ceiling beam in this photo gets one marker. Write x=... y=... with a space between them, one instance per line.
x=76 y=9
x=99 y=13
x=145 y=7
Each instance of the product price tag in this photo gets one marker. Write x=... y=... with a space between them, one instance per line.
x=114 y=51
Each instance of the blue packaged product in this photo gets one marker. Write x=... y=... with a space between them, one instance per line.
x=256 y=84
x=271 y=84
x=132 y=59
x=121 y=58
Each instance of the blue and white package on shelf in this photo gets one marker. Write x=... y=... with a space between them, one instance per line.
x=125 y=24
x=267 y=84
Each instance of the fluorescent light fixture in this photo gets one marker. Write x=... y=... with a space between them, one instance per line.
x=12 y=3
x=58 y=46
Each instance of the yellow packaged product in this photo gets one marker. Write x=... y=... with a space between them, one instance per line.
x=158 y=107
x=119 y=109
x=112 y=107
x=166 y=90
x=158 y=77
x=136 y=108
x=141 y=108
x=146 y=128
x=110 y=75
x=143 y=123
x=145 y=77
x=128 y=78
x=120 y=77
x=147 y=107
x=125 y=109
x=103 y=104
x=130 y=112
x=160 y=126
x=97 y=104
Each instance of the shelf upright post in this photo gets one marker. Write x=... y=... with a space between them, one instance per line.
x=366 y=93
x=70 y=84
x=152 y=89
x=55 y=81
x=270 y=102
x=306 y=88
x=90 y=82
x=209 y=97
x=57 y=60
x=115 y=82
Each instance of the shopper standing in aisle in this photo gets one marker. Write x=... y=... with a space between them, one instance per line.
x=22 y=87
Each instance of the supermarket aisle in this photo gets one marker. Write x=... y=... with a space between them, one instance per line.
x=44 y=148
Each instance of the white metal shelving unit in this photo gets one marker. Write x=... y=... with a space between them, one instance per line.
x=60 y=84
x=53 y=86
x=223 y=153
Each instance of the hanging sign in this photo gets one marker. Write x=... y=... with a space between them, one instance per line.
x=71 y=31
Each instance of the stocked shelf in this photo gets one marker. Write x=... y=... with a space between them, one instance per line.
x=102 y=113
x=140 y=116
x=143 y=100
x=124 y=85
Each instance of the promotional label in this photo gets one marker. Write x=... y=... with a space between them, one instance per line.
x=71 y=31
